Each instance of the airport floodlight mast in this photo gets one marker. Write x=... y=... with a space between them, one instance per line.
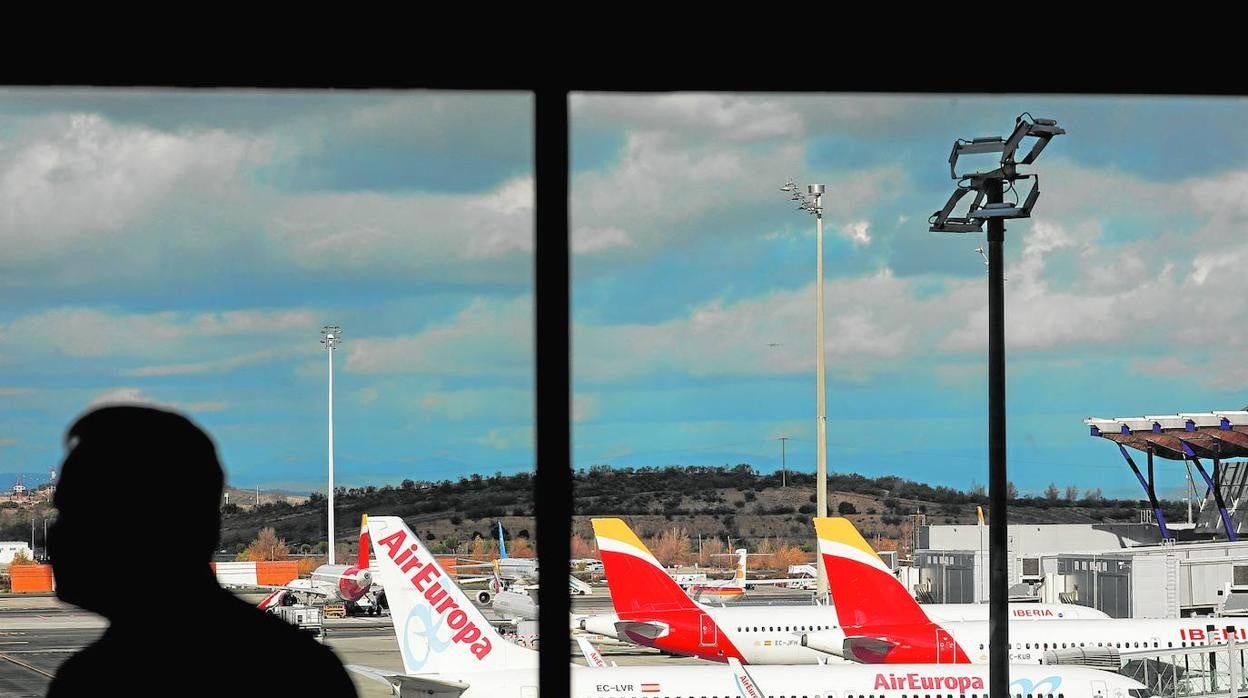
x=989 y=205
x=812 y=202
x=331 y=337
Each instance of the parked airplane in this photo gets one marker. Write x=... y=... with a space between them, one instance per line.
x=449 y=649
x=351 y=585
x=881 y=623
x=520 y=573
x=651 y=610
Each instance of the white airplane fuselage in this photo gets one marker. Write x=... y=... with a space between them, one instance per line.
x=811 y=681
x=773 y=634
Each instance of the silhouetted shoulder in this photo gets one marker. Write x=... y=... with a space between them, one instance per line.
x=227 y=645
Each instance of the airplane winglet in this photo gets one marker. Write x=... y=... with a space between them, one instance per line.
x=745 y=683
x=593 y=657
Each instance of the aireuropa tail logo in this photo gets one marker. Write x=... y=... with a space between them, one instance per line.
x=420 y=637
x=421 y=628
x=1026 y=687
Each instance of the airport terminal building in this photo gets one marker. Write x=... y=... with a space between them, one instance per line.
x=1156 y=569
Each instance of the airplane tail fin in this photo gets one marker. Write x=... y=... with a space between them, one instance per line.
x=863 y=589
x=637 y=580
x=439 y=630
x=740 y=575
x=502 y=547
x=362 y=562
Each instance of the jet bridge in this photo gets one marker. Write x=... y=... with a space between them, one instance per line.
x=1189 y=437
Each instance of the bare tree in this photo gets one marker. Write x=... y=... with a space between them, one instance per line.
x=1051 y=492
x=583 y=549
x=1072 y=493
x=266 y=546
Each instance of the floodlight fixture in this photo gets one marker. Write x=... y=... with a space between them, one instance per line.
x=942 y=221
x=1042 y=130
x=1014 y=210
x=975 y=146
x=331 y=336
x=810 y=203
x=1025 y=126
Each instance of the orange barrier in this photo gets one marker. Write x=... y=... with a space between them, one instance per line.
x=280 y=572
x=31 y=578
x=448 y=563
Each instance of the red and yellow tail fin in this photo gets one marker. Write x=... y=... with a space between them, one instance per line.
x=637 y=580
x=864 y=590
x=362 y=561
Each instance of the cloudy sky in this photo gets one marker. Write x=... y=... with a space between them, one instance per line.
x=186 y=247
x=1122 y=296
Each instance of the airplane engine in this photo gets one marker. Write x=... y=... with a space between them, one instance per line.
x=484 y=597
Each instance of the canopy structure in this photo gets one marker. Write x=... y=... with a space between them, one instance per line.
x=1186 y=436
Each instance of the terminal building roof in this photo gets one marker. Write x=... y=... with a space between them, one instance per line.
x=1219 y=434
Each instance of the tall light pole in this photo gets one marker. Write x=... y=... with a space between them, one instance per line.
x=812 y=202
x=989 y=206
x=331 y=336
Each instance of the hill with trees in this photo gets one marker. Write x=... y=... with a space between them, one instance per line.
x=708 y=502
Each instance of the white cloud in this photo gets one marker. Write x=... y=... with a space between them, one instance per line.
x=697 y=115
x=71 y=182
x=661 y=194
x=857 y=232
x=500 y=403
x=506 y=438
x=89 y=332
x=586 y=240
x=585 y=407
x=722 y=339
x=489 y=337
x=7 y=441
x=212 y=366
x=136 y=396
x=430 y=234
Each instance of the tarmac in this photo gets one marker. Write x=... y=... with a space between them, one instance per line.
x=38 y=633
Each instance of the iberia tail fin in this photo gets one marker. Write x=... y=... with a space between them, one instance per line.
x=864 y=590
x=637 y=580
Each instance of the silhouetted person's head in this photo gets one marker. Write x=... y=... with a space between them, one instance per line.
x=140 y=489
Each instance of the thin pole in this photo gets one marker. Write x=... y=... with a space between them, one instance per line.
x=784 y=468
x=1191 y=489
x=998 y=484
x=821 y=469
x=331 y=454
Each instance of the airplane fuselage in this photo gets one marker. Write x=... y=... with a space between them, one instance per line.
x=772 y=634
x=811 y=681
x=1029 y=641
